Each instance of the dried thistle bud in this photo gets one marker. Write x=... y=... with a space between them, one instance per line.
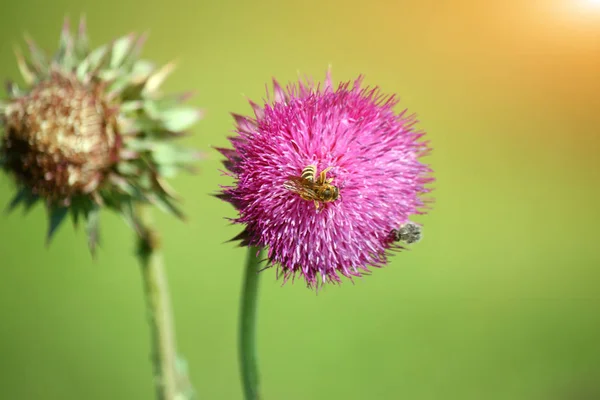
x=91 y=130
x=60 y=138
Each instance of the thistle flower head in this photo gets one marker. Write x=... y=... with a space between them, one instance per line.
x=90 y=129
x=352 y=142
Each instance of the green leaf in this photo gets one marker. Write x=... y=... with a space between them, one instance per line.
x=81 y=40
x=168 y=171
x=38 y=58
x=96 y=59
x=170 y=154
x=145 y=182
x=141 y=71
x=13 y=90
x=127 y=168
x=140 y=145
x=119 y=85
x=152 y=108
x=28 y=74
x=136 y=49
x=162 y=202
x=68 y=61
x=29 y=201
x=23 y=196
x=82 y=69
x=93 y=62
x=65 y=34
x=79 y=207
x=129 y=215
x=56 y=215
x=76 y=211
x=125 y=186
x=179 y=119
x=171 y=101
x=158 y=77
x=165 y=153
x=64 y=56
x=92 y=227
x=120 y=48
x=187 y=156
x=109 y=75
x=131 y=106
x=129 y=126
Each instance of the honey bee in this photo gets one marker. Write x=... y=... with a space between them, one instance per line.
x=408 y=233
x=319 y=190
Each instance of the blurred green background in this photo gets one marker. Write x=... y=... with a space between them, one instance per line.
x=499 y=301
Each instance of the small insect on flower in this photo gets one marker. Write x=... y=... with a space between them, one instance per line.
x=91 y=130
x=320 y=190
x=408 y=233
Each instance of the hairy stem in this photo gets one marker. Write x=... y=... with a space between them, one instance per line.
x=247 y=339
x=170 y=381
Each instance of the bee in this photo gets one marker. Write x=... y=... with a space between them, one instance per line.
x=408 y=233
x=310 y=187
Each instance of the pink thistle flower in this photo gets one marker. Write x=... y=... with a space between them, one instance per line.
x=371 y=155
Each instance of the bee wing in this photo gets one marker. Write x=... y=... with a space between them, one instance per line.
x=299 y=186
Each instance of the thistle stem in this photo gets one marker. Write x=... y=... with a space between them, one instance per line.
x=168 y=380
x=247 y=339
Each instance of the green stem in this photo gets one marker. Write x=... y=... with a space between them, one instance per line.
x=247 y=339
x=170 y=383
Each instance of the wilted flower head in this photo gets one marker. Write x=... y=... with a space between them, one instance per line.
x=90 y=129
x=369 y=154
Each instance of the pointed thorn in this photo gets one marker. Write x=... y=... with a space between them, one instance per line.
x=243 y=123
x=279 y=93
x=97 y=199
x=243 y=236
x=66 y=28
x=92 y=228
x=157 y=78
x=16 y=200
x=259 y=112
x=140 y=42
x=56 y=216
x=92 y=244
x=168 y=189
x=183 y=97
x=328 y=84
x=30 y=42
x=26 y=72
x=9 y=87
x=82 y=25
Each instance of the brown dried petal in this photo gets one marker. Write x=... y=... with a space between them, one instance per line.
x=60 y=138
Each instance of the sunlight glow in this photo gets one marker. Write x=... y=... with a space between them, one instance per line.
x=582 y=15
x=586 y=7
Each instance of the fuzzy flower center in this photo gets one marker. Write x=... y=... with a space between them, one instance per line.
x=60 y=138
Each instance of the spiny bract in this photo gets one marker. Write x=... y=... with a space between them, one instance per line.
x=91 y=130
